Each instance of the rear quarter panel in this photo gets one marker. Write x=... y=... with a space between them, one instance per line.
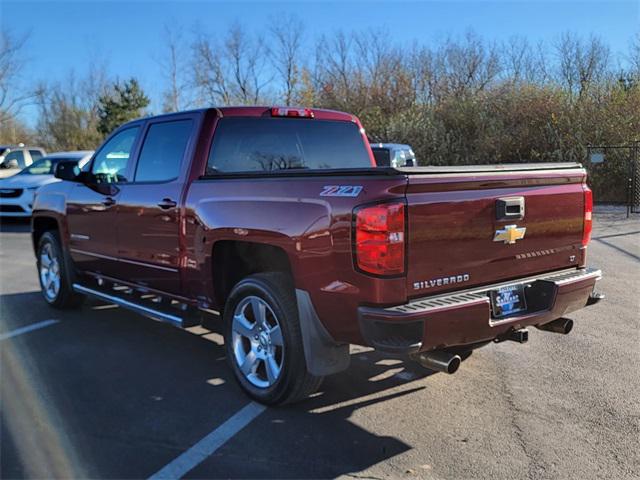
x=313 y=230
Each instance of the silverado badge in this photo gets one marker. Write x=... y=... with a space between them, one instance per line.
x=509 y=234
x=438 y=282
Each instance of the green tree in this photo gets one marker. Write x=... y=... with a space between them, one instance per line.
x=125 y=102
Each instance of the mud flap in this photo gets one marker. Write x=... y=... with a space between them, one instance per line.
x=323 y=355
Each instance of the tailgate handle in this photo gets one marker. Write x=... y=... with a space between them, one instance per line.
x=510 y=208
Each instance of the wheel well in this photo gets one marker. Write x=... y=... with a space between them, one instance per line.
x=232 y=261
x=39 y=226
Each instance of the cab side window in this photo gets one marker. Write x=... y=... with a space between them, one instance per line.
x=163 y=150
x=110 y=164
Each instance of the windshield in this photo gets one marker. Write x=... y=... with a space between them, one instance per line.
x=45 y=166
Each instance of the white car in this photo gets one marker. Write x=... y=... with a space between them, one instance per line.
x=16 y=192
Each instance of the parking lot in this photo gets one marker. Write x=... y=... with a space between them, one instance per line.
x=101 y=392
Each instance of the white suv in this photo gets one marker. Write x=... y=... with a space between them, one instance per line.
x=16 y=192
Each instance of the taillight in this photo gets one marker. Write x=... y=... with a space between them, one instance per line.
x=291 y=112
x=379 y=238
x=588 y=216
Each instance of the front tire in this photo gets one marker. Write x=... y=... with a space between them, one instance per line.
x=263 y=340
x=54 y=273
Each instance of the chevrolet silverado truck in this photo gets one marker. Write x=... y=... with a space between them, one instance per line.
x=278 y=220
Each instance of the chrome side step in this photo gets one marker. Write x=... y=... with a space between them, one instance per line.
x=480 y=294
x=141 y=309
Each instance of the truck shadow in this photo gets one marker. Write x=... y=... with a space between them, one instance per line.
x=106 y=393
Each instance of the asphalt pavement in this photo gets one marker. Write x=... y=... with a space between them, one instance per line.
x=103 y=393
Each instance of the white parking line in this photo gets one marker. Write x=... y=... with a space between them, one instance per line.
x=27 y=329
x=193 y=457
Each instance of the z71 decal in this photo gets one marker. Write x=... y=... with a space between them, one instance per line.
x=341 y=191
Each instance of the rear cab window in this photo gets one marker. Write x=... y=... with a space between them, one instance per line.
x=270 y=145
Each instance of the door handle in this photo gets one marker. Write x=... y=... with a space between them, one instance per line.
x=510 y=208
x=108 y=202
x=167 y=203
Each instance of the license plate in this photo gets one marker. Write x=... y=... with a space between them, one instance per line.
x=508 y=300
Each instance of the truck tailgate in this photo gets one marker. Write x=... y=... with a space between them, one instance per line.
x=458 y=237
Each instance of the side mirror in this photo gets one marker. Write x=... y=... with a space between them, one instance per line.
x=67 y=170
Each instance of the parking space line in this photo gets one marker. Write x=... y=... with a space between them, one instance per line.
x=190 y=459
x=27 y=329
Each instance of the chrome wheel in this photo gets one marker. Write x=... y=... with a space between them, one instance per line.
x=49 y=272
x=258 y=346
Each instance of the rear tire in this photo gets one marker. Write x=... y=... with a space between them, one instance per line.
x=263 y=340
x=55 y=273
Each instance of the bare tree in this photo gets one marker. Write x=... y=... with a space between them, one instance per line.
x=335 y=72
x=11 y=63
x=466 y=66
x=422 y=71
x=543 y=64
x=581 y=63
x=379 y=63
x=68 y=110
x=230 y=71
x=209 y=73
x=246 y=58
x=174 y=66
x=285 y=54
x=634 y=54
x=522 y=62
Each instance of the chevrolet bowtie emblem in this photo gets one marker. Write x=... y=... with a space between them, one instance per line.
x=510 y=234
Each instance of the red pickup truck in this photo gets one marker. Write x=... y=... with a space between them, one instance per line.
x=278 y=219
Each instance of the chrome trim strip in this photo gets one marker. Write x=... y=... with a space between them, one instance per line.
x=146 y=311
x=148 y=265
x=124 y=260
x=78 y=236
x=92 y=254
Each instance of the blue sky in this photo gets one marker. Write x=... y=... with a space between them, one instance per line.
x=127 y=36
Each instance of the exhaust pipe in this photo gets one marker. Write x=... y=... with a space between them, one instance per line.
x=440 y=361
x=561 y=325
